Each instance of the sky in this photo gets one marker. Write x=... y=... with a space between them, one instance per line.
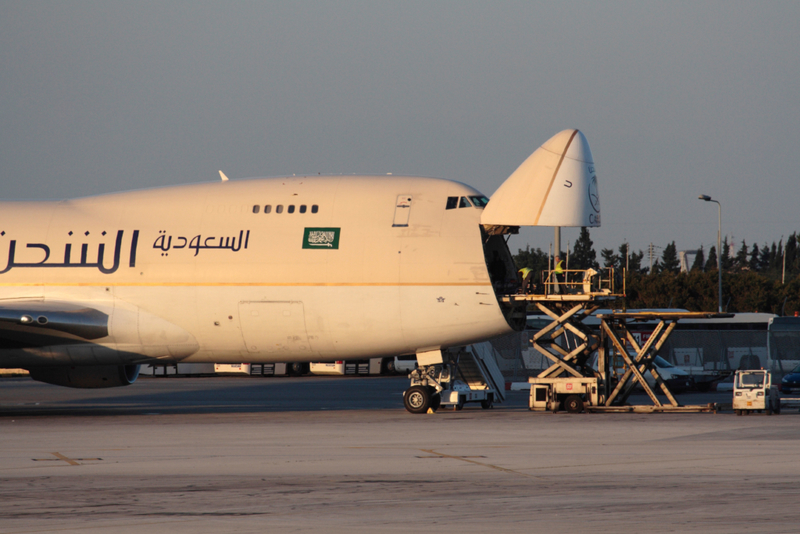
x=676 y=99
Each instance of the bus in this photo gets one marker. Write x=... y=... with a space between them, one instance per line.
x=783 y=345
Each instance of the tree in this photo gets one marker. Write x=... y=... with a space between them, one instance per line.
x=727 y=263
x=699 y=260
x=791 y=256
x=656 y=267
x=741 y=262
x=669 y=259
x=764 y=259
x=609 y=258
x=774 y=255
x=711 y=263
x=635 y=262
x=583 y=255
x=753 y=263
x=778 y=259
x=752 y=283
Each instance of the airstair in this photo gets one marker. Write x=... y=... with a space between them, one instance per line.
x=468 y=374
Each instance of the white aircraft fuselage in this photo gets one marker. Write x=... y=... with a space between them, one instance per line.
x=290 y=269
x=339 y=266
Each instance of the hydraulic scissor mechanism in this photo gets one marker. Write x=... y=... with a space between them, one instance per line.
x=566 y=341
x=597 y=370
x=638 y=360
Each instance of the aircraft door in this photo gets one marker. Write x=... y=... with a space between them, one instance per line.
x=274 y=327
x=555 y=186
x=402 y=211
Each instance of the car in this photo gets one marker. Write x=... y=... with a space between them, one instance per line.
x=676 y=378
x=791 y=382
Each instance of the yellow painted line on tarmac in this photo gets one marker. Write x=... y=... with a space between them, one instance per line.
x=70 y=461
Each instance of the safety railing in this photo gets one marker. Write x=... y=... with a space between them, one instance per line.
x=606 y=281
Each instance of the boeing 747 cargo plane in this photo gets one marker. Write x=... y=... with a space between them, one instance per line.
x=292 y=269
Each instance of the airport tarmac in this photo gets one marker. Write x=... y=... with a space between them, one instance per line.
x=316 y=454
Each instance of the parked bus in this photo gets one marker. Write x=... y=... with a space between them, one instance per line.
x=783 y=345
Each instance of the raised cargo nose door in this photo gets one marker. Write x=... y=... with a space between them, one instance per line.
x=555 y=186
x=402 y=211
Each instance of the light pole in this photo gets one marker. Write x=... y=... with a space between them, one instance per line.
x=719 y=246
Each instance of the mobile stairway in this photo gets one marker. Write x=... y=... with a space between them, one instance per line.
x=468 y=374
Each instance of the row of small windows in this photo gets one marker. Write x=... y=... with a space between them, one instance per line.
x=464 y=202
x=452 y=203
x=289 y=209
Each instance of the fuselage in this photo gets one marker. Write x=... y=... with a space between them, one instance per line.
x=259 y=270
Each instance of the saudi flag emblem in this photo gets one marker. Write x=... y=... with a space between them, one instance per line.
x=324 y=238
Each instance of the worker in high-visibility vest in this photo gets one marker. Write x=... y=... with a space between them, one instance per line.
x=558 y=272
x=526 y=279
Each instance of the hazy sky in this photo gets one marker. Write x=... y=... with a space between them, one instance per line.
x=675 y=98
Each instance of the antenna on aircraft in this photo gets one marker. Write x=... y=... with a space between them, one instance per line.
x=222 y=175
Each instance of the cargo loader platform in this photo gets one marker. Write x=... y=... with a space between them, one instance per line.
x=613 y=360
x=597 y=369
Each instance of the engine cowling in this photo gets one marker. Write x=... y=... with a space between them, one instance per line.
x=93 y=376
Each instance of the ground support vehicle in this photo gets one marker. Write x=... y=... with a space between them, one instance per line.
x=753 y=390
x=571 y=394
x=463 y=376
x=622 y=362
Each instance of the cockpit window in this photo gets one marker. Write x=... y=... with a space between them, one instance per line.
x=452 y=203
x=480 y=202
x=464 y=203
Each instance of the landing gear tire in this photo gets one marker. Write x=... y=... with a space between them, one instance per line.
x=417 y=399
x=488 y=403
x=573 y=404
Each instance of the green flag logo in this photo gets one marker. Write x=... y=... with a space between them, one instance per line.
x=324 y=238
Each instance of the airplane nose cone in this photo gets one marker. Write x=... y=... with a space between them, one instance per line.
x=571 y=141
x=555 y=186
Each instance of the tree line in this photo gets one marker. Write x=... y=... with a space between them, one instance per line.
x=754 y=279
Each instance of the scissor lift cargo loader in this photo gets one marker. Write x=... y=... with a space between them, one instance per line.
x=570 y=382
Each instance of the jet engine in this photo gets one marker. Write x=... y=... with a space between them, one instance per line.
x=92 y=376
